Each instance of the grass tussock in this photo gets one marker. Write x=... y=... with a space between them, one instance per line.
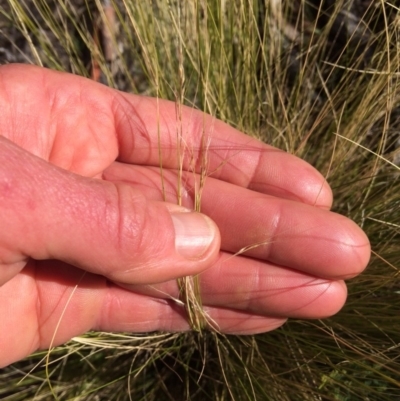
x=319 y=79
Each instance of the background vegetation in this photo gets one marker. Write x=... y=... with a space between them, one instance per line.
x=319 y=79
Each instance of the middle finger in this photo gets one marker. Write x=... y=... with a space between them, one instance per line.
x=284 y=232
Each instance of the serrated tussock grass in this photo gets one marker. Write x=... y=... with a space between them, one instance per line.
x=319 y=79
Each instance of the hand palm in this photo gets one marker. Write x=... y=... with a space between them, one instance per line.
x=109 y=140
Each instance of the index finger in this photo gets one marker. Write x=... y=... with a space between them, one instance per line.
x=147 y=127
x=83 y=126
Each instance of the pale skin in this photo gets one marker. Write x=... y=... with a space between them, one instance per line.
x=81 y=210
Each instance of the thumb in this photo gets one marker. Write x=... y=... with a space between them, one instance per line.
x=102 y=227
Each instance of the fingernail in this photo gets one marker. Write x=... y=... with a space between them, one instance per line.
x=194 y=233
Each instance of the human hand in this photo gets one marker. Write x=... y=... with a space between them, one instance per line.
x=81 y=210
